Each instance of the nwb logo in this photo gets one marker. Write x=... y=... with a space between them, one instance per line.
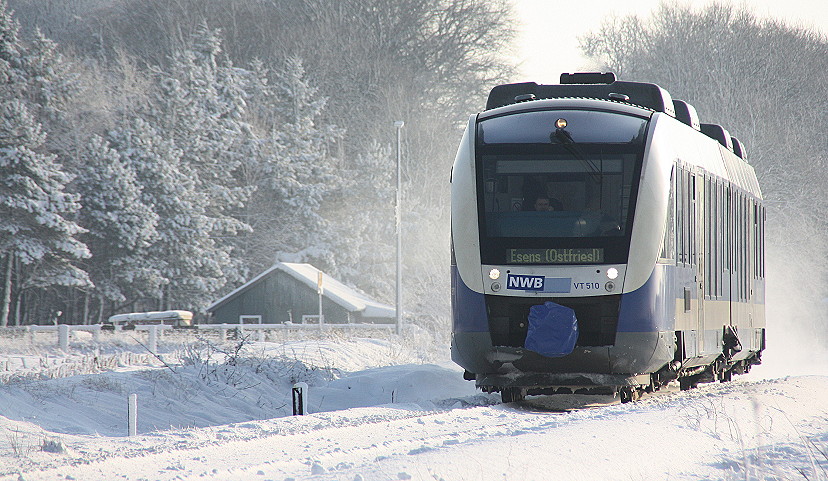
x=526 y=283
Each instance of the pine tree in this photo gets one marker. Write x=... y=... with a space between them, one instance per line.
x=184 y=263
x=363 y=223
x=121 y=227
x=201 y=111
x=303 y=175
x=36 y=231
x=51 y=85
x=38 y=241
x=201 y=108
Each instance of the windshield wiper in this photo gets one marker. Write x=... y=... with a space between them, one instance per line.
x=565 y=139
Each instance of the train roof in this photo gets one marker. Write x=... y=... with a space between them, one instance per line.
x=576 y=103
x=598 y=86
x=605 y=87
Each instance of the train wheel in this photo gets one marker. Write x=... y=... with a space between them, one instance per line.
x=512 y=394
x=628 y=394
x=687 y=383
x=726 y=375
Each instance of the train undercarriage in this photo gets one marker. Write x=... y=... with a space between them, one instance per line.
x=514 y=386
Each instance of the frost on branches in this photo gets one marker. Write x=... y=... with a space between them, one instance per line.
x=38 y=241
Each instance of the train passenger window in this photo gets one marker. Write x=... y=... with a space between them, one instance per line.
x=755 y=240
x=708 y=231
x=668 y=248
x=762 y=237
x=679 y=186
x=726 y=231
x=719 y=240
x=691 y=219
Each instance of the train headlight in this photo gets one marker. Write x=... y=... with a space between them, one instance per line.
x=494 y=274
x=612 y=273
x=560 y=123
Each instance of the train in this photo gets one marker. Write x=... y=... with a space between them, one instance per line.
x=603 y=241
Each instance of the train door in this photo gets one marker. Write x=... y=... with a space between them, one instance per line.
x=730 y=287
x=698 y=255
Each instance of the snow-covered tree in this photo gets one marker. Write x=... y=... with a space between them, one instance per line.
x=201 y=109
x=38 y=240
x=120 y=225
x=363 y=223
x=183 y=263
x=296 y=175
x=52 y=84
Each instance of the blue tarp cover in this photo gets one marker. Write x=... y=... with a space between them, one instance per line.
x=553 y=330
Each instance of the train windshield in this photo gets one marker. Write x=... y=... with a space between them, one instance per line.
x=562 y=180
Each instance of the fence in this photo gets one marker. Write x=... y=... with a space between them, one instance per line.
x=155 y=330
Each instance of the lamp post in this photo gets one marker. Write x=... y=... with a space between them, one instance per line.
x=398 y=221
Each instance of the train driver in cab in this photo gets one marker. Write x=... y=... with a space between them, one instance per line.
x=544 y=203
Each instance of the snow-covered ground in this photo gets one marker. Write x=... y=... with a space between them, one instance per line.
x=380 y=409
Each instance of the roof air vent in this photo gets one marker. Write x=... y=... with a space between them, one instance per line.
x=739 y=148
x=718 y=133
x=524 y=98
x=587 y=78
x=686 y=113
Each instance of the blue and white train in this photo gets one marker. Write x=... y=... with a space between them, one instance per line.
x=603 y=241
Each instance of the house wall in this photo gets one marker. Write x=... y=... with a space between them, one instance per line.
x=272 y=296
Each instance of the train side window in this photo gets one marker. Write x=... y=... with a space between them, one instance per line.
x=691 y=219
x=742 y=257
x=764 y=257
x=708 y=281
x=719 y=239
x=728 y=230
x=714 y=264
x=737 y=242
x=744 y=246
x=737 y=220
x=668 y=248
x=755 y=240
x=679 y=187
x=712 y=235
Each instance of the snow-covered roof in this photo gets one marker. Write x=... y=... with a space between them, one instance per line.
x=334 y=290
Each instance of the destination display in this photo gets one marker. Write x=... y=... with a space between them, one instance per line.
x=555 y=256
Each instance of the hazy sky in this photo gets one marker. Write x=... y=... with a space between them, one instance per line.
x=548 y=29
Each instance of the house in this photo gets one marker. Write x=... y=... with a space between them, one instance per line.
x=288 y=292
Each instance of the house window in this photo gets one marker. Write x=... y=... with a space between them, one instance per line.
x=250 y=319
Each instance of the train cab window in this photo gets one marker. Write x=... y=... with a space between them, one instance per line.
x=558 y=174
x=557 y=196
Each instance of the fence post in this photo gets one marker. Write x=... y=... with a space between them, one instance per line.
x=63 y=337
x=96 y=333
x=152 y=343
x=132 y=414
x=300 y=399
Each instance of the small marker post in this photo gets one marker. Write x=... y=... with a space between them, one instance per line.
x=300 y=400
x=132 y=414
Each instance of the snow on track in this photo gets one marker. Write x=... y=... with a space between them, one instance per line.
x=748 y=429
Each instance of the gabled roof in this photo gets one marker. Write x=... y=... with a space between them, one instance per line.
x=339 y=293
